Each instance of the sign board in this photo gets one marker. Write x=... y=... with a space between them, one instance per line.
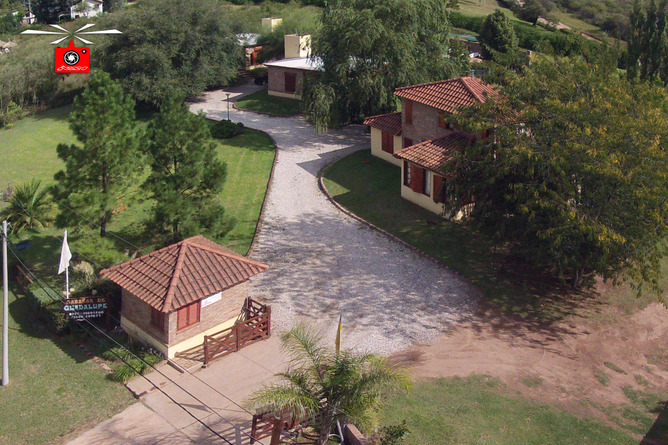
x=85 y=307
x=211 y=299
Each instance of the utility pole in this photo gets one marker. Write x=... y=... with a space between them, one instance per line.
x=5 y=309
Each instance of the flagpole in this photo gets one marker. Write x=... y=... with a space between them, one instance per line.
x=5 y=309
x=67 y=283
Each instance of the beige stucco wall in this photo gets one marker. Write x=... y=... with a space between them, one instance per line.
x=269 y=23
x=426 y=202
x=377 y=147
x=276 y=82
x=297 y=45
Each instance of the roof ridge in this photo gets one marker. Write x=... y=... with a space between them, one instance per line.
x=381 y=115
x=426 y=83
x=138 y=259
x=176 y=276
x=228 y=254
x=465 y=82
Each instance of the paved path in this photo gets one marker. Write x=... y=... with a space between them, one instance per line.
x=323 y=262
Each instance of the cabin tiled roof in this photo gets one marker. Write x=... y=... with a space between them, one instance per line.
x=389 y=123
x=449 y=95
x=435 y=153
x=182 y=273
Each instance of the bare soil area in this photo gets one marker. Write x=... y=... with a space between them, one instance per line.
x=586 y=366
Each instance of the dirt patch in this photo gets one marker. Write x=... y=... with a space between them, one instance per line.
x=582 y=366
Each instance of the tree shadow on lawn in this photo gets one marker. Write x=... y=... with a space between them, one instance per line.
x=518 y=295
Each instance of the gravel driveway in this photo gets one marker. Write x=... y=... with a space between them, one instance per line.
x=323 y=262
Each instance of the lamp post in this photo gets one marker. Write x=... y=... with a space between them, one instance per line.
x=228 y=105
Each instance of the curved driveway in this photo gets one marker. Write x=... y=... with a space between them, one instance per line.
x=323 y=262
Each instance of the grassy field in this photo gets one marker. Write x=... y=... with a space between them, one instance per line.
x=262 y=102
x=511 y=285
x=467 y=411
x=54 y=389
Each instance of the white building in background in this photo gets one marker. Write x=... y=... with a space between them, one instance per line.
x=86 y=8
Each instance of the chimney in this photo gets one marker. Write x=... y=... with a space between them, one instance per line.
x=472 y=73
x=297 y=45
x=270 y=23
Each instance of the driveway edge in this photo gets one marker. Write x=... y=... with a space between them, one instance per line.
x=331 y=199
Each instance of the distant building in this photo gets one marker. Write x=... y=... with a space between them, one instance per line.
x=249 y=42
x=286 y=75
x=86 y=8
x=29 y=18
x=270 y=23
x=6 y=47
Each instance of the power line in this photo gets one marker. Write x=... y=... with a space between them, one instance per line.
x=186 y=370
x=41 y=283
x=118 y=321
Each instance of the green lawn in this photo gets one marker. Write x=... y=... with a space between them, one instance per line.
x=28 y=149
x=262 y=102
x=505 y=281
x=54 y=389
x=468 y=411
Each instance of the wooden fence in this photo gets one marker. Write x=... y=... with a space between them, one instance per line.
x=255 y=326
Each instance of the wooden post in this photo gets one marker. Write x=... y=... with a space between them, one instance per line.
x=268 y=321
x=253 y=429
x=276 y=432
x=236 y=334
x=206 y=352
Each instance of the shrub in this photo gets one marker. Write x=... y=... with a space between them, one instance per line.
x=226 y=129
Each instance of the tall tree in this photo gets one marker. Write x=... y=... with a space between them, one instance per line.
x=576 y=175
x=186 y=175
x=170 y=45
x=326 y=385
x=647 y=41
x=50 y=11
x=498 y=35
x=100 y=172
x=369 y=48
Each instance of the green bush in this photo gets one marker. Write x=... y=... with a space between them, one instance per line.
x=102 y=251
x=226 y=129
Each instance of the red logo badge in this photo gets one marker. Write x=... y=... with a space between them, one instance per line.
x=72 y=59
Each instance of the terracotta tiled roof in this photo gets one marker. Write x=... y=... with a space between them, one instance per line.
x=449 y=95
x=182 y=273
x=435 y=153
x=389 y=123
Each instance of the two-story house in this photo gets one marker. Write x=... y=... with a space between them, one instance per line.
x=420 y=138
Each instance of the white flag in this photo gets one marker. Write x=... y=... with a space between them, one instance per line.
x=65 y=256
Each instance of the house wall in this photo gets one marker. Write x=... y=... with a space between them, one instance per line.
x=377 y=147
x=92 y=9
x=228 y=307
x=269 y=23
x=136 y=321
x=425 y=123
x=426 y=202
x=276 y=83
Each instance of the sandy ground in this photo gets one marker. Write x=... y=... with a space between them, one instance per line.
x=566 y=356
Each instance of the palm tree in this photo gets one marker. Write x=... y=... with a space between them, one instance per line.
x=28 y=207
x=327 y=386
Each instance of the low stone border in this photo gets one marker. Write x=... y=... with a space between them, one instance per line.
x=331 y=199
x=258 y=226
x=264 y=113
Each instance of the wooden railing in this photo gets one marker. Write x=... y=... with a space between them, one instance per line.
x=255 y=327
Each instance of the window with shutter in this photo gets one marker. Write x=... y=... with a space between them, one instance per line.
x=388 y=142
x=426 y=190
x=408 y=111
x=417 y=179
x=187 y=315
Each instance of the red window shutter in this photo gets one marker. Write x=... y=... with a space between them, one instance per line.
x=388 y=142
x=182 y=318
x=417 y=179
x=408 y=106
x=408 y=142
x=438 y=188
x=290 y=82
x=193 y=313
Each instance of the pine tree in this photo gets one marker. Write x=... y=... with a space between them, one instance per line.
x=498 y=35
x=186 y=175
x=100 y=172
